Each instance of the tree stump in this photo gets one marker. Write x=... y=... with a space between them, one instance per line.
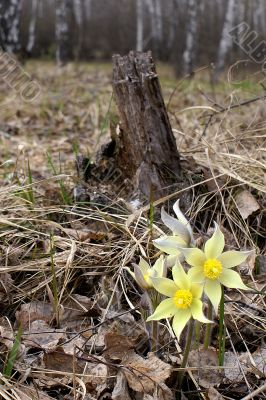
x=146 y=151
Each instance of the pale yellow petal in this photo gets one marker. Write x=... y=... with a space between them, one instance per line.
x=196 y=311
x=143 y=266
x=180 y=277
x=142 y=280
x=232 y=279
x=212 y=289
x=181 y=217
x=194 y=257
x=175 y=226
x=180 y=320
x=215 y=245
x=196 y=274
x=230 y=259
x=165 y=309
x=164 y=286
x=159 y=269
x=169 y=244
x=196 y=290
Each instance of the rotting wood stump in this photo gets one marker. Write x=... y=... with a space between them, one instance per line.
x=141 y=161
x=146 y=151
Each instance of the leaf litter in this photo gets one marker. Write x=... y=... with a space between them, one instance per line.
x=82 y=334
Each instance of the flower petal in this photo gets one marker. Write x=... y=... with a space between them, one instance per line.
x=232 y=279
x=196 y=274
x=177 y=227
x=165 y=309
x=164 y=286
x=196 y=311
x=169 y=244
x=215 y=245
x=144 y=283
x=160 y=268
x=230 y=259
x=196 y=290
x=213 y=290
x=180 y=320
x=194 y=257
x=143 y=266
x=181 y=217
x=180 y=277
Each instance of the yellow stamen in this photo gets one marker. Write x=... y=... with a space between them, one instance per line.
x=212 y=268
x=183 y=298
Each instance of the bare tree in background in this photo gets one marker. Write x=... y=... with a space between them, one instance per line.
x=225 y=41
x=140 y=24
x=78 y=12
x=191 y=37
x=32 y=27
x=155 y=13
x=10 y=11
x=63 y=51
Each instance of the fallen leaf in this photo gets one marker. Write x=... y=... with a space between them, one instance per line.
x=143 y=375
x=213 y=394
x=235 y=366
x=204 y=360
x=35 y=310
x=120 y=391
x=246 y=203
x=41 y=335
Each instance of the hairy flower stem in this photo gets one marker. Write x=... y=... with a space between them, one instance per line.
x=208 y=327
x=186 y=353
x=221 y=331
x=155 y=299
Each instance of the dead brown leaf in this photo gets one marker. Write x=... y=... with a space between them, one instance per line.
x=213 y=394
x=41 y=335
x=203 y=360
x=246 y=203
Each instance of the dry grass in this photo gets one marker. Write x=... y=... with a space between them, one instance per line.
x=53 y=252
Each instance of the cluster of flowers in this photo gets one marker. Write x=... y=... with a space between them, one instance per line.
x=209 y=269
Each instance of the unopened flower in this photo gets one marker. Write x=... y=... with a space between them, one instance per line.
x=212 y=267
x=183 y=299
x=182 y=235
x=143 y=272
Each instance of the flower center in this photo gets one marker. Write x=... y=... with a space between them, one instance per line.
x=212 y=268
x=147 y=279
x=183 y=298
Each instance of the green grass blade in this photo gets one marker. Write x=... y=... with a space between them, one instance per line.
x=13 y=354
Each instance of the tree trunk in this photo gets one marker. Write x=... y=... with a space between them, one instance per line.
x=77 y=4
x=10 y=11
x=191 y=37
x=32 y=27
x=63 y=51
x=146 y=150
x=140 y=22
x=226 y=41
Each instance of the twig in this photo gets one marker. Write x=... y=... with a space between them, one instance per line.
x=253 y=394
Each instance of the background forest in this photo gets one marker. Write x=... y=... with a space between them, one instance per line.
x=186 y=33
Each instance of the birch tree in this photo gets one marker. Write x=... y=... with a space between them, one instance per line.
x=225 y=41
x=77 y=4
x=155 y=13
x=140 y=25
x=191 y=37
x=63 y=51
x=10 y=11
x=32 y=26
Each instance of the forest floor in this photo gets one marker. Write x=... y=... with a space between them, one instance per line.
x=69 y=310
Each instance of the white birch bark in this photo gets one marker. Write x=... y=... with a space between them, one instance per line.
x=191 y=37
x=32 y=26
x=140 y=25
x=62 y=31
x=226 y=41
x=88 y=9
x=9 y=25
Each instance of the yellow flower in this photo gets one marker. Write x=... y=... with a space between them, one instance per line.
x=183 y=302
x=212 y=267
x=143 y=272
x=182 y=234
